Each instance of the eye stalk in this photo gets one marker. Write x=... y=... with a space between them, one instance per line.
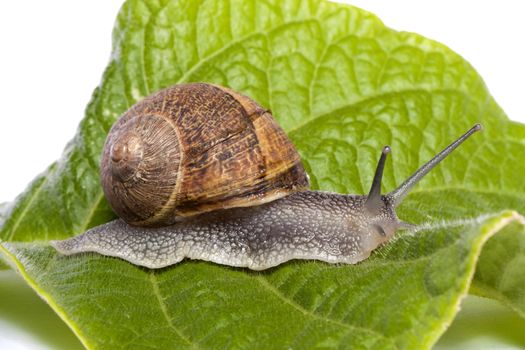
x=399 y=193
x=373 y=202
x=376 y=204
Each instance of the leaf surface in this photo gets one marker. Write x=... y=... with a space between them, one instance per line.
x=500 y=273
x=342 y=85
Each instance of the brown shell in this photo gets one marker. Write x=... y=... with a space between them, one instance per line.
x=194 y=148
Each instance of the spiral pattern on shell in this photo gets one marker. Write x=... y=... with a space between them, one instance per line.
x=193 y=148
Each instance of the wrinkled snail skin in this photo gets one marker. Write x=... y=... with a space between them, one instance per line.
x=307 y=225
x=202 y=172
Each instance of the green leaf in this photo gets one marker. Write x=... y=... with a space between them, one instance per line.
x=500 y=273
x=483 y=324
x=342 y=85
x=400 y=298
x=28 y=320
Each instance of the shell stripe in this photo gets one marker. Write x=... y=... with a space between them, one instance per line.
x=168 y=206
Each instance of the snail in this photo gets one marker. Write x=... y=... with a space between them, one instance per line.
x=199 y=171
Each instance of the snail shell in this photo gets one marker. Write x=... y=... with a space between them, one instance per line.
x=193 y=148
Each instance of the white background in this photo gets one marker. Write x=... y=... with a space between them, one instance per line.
x=53 y=53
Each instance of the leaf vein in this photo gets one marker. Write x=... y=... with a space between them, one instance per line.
x=232 y=43
x=308 y=313
x=92 y=210
x=26 y=208
x=164 y=310
x=372 y=97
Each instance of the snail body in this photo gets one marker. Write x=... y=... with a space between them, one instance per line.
x=257 y=226
x=303 y=225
